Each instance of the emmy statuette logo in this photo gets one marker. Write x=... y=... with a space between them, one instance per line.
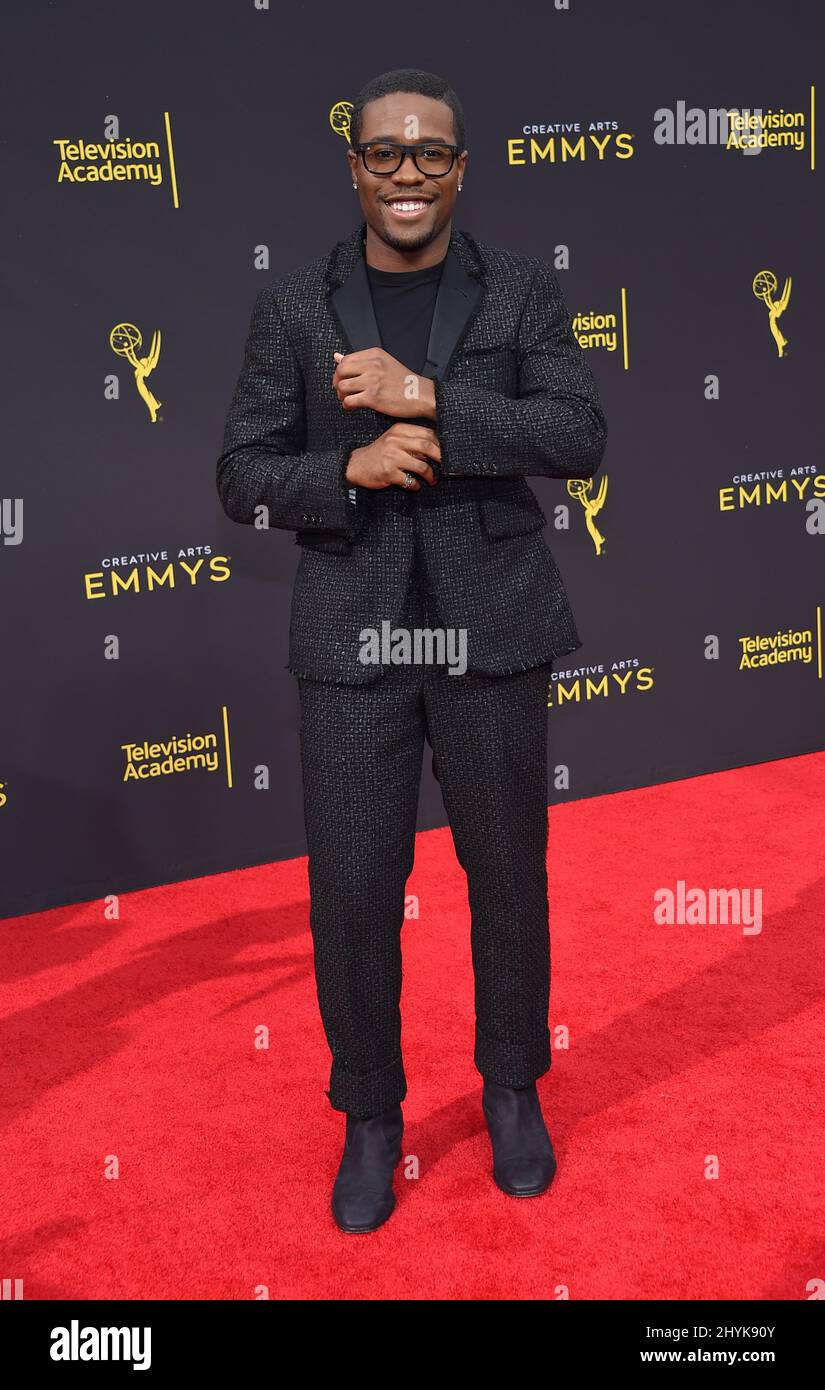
x=126 y=340
x=764 y=287
x=582 y=488
x=339 y=118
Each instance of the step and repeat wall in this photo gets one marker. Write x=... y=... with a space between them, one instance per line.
x=162 y=165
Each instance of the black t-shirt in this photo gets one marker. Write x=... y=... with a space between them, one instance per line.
x=404 y=301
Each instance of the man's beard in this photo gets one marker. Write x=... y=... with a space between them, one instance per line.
x=400 y=244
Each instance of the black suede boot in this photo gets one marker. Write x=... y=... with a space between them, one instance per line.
x=362 y=1197
x=523 y=1158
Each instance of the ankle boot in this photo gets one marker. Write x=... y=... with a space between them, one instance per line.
x=362 y=1197
x=523 y=1158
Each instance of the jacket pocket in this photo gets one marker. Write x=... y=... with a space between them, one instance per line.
x=515 y=512
x=326 y=543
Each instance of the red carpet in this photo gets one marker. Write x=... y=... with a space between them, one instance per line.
x=135 y=1038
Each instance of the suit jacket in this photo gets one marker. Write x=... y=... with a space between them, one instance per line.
x=514 y=397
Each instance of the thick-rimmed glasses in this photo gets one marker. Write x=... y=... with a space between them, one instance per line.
x=431 y=158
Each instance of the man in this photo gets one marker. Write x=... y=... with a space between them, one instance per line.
x=393 y=397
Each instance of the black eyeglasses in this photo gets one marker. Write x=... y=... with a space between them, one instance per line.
x=434 y=160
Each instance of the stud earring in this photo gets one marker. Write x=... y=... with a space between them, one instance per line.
x=459 y=188
x=355 y=185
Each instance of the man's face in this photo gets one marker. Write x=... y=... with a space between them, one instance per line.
x=406 y=118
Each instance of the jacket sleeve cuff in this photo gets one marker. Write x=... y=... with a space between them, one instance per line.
x=337 y=505
x=459 y=409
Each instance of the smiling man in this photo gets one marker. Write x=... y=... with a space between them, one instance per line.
x=394 y=396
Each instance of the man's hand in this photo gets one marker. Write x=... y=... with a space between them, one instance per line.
x=401 y=449
x=373 y=378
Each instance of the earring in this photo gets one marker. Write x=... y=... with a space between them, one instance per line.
x=459 y=188
x=355 y=185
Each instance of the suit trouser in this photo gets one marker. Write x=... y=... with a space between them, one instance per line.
x=361 y=749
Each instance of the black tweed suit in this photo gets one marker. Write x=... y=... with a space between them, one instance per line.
x=514 y=396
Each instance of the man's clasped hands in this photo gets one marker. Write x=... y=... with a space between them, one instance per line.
x=374 y=379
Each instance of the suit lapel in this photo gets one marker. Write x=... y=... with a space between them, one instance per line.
x=352 y=306
x=459 y=297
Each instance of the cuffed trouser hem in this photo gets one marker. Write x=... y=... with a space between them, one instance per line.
x=511 y=1064
x=367 y=1093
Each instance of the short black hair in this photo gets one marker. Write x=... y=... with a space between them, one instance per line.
x=426 y=84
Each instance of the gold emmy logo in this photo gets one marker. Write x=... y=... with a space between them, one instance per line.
x=764 y=287
x=126 y=340
x=339 y=118
x=582 y=488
